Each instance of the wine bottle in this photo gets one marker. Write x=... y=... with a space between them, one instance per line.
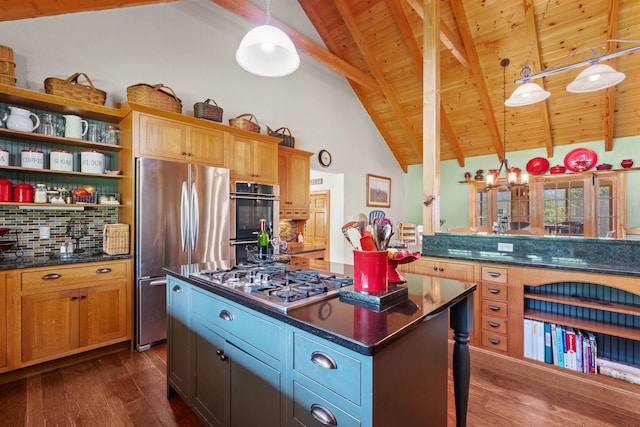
x=263 y=240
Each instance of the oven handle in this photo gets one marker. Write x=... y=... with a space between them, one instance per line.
x=238 y=196
x=242 y=242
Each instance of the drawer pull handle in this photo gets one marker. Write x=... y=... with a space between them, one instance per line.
x=73 y=298
x=441 y=269
x=83 y=296
x=494 y=324
x=494 y=274
x=225 y=315
x=494 y=290
x=435 y=268
x=494 y=341
x=161 y=282
x=323 y=360
x=177 y=289
x=51 y=276
x=323 y=415
x=103 y=270
x=494 y=307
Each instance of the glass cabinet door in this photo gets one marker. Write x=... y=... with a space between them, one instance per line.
x=564 y=207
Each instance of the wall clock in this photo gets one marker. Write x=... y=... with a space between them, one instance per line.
x=324 y=157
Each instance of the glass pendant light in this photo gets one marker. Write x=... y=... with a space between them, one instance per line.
x=595 y=77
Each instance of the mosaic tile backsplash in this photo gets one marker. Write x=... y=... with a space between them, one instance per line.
x=25 y=228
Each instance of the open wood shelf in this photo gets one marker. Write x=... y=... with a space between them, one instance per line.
x=58 y=140
x=586 y=303
x=57 y=172
x=589 y=325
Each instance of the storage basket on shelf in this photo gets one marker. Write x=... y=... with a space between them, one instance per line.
x=6 y=53
x=241 y=122
x=204 y=110
x=283 y=133
x=157 y=96
x=72 y=89
x=115 y=239
x=7 y=66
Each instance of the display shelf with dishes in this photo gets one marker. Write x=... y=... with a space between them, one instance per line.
x=580 y=159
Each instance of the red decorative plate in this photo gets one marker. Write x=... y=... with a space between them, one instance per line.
x=537 y=166
x=580 y=159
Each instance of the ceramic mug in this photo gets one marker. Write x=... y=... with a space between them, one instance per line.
x=74 y=126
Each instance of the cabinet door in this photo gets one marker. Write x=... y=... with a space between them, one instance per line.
x=162 y=139
x=206 y=146
x=103 y=314
x=256 y=382
x=3 y=320
x=178 y=336
x=242 y=158
x=293 y=176
x=49 y=324
x=266 y=162
x=210 y=377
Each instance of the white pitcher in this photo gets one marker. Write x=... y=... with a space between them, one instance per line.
x=74 y=126
x=21 y=119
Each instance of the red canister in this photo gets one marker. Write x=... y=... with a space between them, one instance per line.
x=23 y=193
x=5 y=190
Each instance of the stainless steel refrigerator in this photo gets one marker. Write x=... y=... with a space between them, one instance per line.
x=182 y=217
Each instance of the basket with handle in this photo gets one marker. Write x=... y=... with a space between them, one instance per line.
x=204 y=110
x=6 y=53
x=115 y=239
x=241 y=122
x=285 y=134
x=72 y=89
x=157 y=96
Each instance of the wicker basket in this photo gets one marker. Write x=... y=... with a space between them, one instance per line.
x=157 y=96
x=204 y=110
x=115 y=239
x=241 y=123
x=70 y=88
x=285 y=134
x=6 y=53
x=7 y=68
x=7 y=80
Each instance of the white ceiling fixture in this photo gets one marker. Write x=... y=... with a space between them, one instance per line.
x=267 y=51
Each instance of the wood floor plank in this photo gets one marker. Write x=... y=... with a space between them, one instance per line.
x=13 y=406
x=54 y=400
x=34 y=402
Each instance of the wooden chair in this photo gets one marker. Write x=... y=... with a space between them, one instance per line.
x=630 y=233
x=407 y=233
x=530 y=231
x=461 y=230
x=375 y=214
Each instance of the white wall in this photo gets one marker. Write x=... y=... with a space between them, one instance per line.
x=190 y=46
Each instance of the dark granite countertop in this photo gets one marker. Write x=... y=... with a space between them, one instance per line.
x=352 y=326
x=45 y=261
x=606 y=256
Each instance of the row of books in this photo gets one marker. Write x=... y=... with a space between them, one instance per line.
x=561 y=346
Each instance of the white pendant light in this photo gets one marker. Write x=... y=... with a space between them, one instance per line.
x=267 y=51
x=595 y=77
x=526 y=94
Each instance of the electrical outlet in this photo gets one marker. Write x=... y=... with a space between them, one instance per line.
x=505 y=247
x=45 y=232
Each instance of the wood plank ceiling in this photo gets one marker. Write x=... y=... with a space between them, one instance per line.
x=377 y=46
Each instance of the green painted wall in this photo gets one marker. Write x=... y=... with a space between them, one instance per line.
x=454 y=209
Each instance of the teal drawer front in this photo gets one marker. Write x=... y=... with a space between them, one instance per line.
x=332 y=369
x=311 y=410
x=260 y=333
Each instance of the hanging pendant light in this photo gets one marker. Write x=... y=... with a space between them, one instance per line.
x=595 y=77
x=267 y=51
x=526 y=94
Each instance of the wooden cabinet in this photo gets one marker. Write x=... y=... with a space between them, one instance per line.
x=178 y=337
x=167 y=139
x=4 y=314
x=253 y=160
x=65 y=311
x=293 y=178
x=458 y=270
x=494 y=308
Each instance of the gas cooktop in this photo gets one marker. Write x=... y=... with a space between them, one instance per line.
x=276 y=285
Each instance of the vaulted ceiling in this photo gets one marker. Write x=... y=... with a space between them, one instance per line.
x=377 y=46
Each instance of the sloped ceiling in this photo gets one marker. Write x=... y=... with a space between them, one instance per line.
x=377 y=46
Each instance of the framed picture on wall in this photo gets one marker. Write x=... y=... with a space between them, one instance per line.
x=378 y=191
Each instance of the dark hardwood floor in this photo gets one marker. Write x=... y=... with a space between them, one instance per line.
x=129 y=389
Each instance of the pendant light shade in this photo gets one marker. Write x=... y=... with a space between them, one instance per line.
x=595 y=77
x=267 y=51
x=525 y=94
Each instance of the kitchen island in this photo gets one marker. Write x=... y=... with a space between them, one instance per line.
x=330 y=362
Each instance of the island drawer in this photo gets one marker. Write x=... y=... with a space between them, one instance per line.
x=328 y=367
x=73 y=276
x=495 y=291
x=494 y=274
x=255 y=331
x=494 y=308
x=495 y=324
x=494 y=341
x=307 y=403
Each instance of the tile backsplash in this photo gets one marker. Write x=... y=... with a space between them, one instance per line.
x=25 y=228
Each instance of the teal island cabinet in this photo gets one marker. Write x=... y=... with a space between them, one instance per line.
x=239 y=363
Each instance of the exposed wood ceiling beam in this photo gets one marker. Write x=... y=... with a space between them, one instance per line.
x=613 y=7
x=370 y=57
x=472 y=55
x=446 y=37
x=257 y=16
x=536 y=61
x=323 y=32
x=451 y=136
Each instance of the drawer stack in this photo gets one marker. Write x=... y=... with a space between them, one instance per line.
x=494 y=308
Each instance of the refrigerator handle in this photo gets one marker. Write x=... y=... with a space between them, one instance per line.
x=184 y=216
x=195 y=216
